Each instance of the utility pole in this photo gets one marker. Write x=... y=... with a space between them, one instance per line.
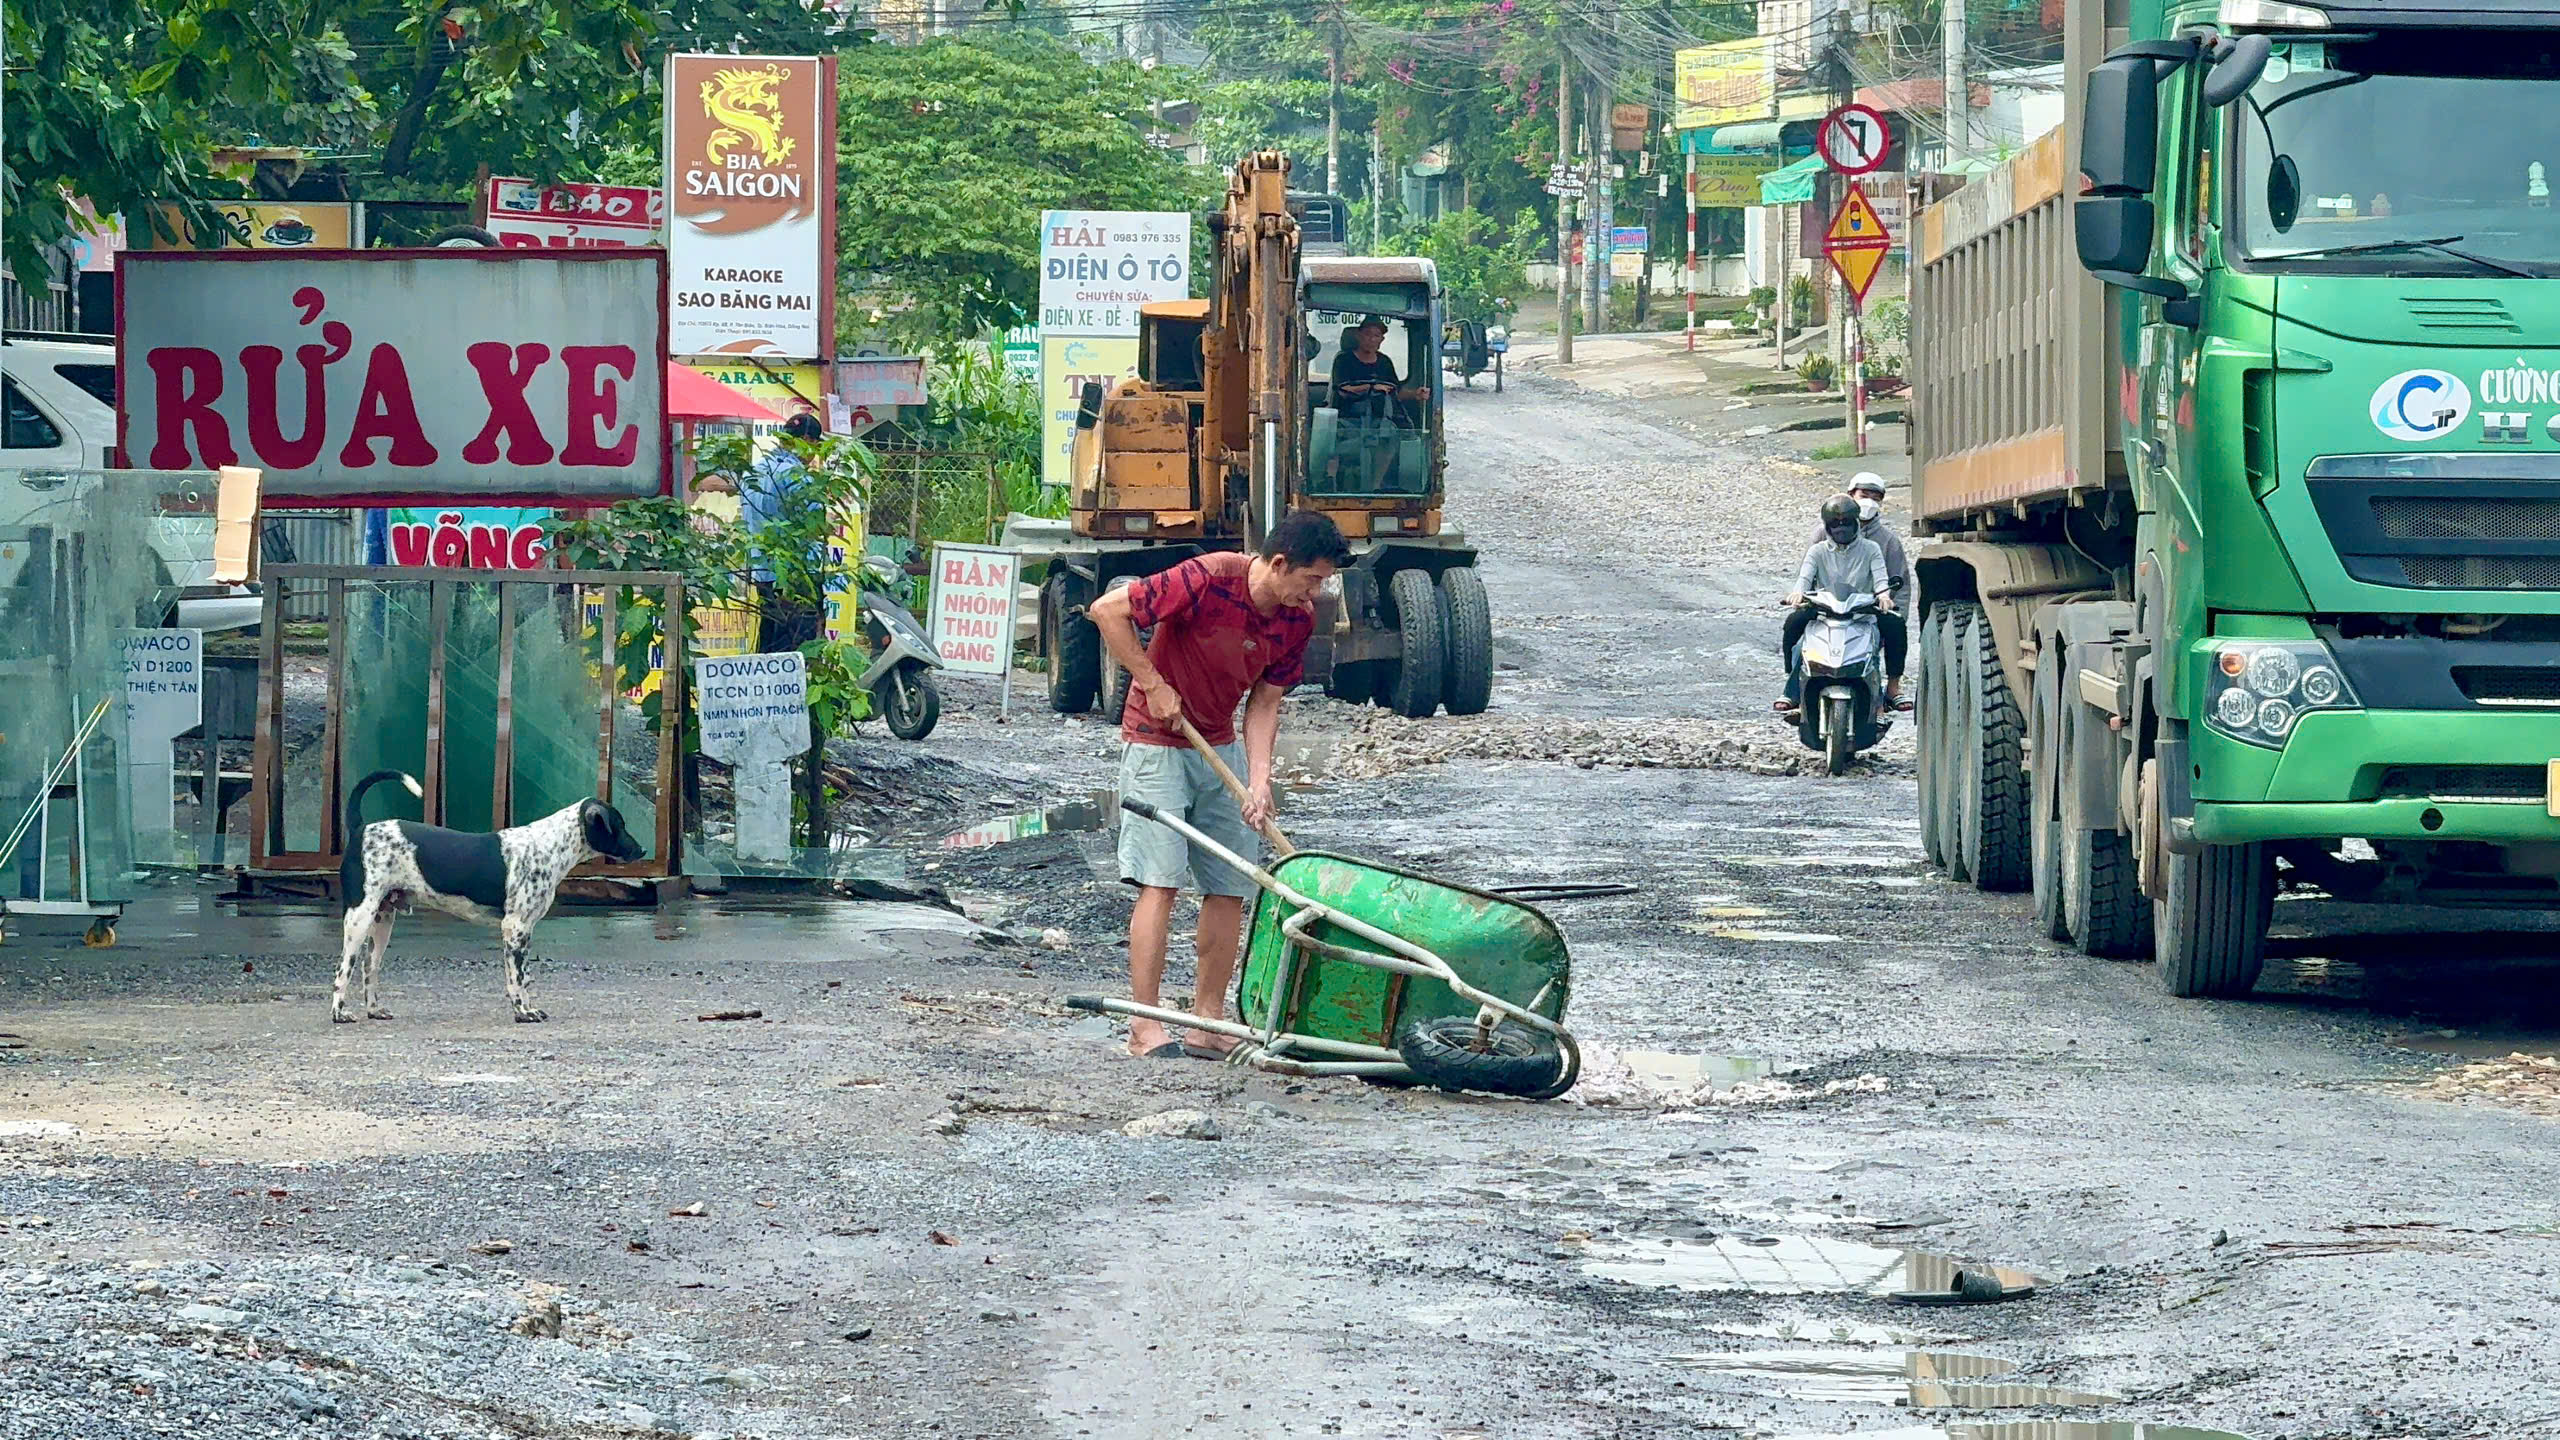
x=1958 y=96
x=1564 y=212
x=1333 y=113
x=1596 y=211
x=1377 y=189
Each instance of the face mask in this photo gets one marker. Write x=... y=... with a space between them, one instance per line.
x=1842 y=535
x=1868 y=510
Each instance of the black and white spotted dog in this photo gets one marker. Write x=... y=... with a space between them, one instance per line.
x=507 y=879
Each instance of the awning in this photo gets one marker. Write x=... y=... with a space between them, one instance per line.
x=1792 y=184
x=695 y=396
x=1757 y=135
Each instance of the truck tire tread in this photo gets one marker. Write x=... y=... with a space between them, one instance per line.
x=1996 y=813
x=1466 y=624
x=1075 y=660
x=2212 y=922
x=1926 y=713
x=1417 y=680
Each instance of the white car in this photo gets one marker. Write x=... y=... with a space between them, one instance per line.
x=60 y=405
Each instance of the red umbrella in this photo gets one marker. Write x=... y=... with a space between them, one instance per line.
x=694 y=396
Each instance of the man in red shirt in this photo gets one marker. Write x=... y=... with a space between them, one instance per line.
x=1227 y=627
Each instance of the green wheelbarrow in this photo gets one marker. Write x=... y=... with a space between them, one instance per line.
x=1356 y=968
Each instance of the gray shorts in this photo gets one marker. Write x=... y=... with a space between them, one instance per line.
x=1180 y=782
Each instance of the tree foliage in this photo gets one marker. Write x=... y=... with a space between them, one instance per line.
x=951 y=148
x=1481 y=266
x=119 y=101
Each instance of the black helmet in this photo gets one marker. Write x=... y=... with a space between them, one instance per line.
x=1840 y=518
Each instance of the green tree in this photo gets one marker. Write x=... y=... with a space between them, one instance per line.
x=952 y=148
x=118 y=101
x=1480 y=265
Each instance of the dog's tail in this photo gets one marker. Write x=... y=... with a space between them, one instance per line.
x=355 y=800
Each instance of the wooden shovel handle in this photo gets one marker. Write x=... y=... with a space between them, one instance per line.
x=1280 y=845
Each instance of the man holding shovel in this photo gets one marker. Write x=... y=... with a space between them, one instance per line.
x=1228 y=628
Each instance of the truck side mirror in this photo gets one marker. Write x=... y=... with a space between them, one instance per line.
x=2120 y=127
x=2236 y=67
x=2113 y=233
x=1089 y=405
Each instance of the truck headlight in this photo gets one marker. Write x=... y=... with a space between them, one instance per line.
x=2262 y=688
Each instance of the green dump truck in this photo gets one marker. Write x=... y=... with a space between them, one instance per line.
x=2236 y=448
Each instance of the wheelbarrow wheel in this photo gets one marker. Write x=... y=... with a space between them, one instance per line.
x=1449 y=1053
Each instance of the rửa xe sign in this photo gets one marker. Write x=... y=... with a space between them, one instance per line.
x=426 y=377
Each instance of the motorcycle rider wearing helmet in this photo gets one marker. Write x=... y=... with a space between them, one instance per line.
x=1867 y=488
x=1844 y=564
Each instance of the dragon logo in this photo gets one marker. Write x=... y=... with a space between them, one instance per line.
x=747 y=112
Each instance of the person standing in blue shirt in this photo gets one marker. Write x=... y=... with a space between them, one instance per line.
x=784 y=622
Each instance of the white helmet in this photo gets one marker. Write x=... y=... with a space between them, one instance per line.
x=1866 y=480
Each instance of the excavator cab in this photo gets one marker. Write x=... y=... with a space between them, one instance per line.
x=1367 y=450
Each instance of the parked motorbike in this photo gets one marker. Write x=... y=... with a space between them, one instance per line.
x=903 y=660
x=1840 y=680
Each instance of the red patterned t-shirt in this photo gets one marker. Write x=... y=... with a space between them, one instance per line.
x=1212 y=645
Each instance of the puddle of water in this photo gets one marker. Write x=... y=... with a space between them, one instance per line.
x=1827 y=1331
x=1683 y=1072
x=1093 y=812
x=2478 y=1045
x=1926 y=1379
x=1773 y=937
x=1784 y=1265
x=1733 y=912
x=2033 y=1430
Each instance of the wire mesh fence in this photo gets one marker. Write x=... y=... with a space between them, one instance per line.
x=922 y=494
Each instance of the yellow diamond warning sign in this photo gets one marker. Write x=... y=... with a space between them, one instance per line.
x=1857 y=242
x=1858 y=269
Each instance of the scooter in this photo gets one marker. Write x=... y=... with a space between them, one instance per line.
x=903 y=660
x=1840 y=680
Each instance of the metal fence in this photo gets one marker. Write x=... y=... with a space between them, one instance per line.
x=919 y=493
x=310 y=537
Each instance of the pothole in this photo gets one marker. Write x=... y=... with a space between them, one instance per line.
x=1924 y=1379
x=1802 y=1265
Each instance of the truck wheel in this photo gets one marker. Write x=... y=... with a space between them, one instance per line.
x=1931 y=723
x=1417 y=682
x=1466 y=622
x=2211 y=925
x=1352 y=682
x=2103 y=909
x=1946 y=747
x=1075 y=647
x=1994 y=785
x=2044 y=828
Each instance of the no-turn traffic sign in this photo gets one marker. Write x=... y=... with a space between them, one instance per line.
x=1853 y=139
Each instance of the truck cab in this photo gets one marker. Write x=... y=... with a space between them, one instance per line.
x=2243 y=568
x=1376 y=464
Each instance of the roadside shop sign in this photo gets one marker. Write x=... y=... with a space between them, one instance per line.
x=971 y=614
x=531 y=215
x=751 y=164
x=415 y=377
x=477 y=538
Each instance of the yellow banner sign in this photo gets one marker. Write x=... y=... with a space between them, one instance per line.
x=279 y=225
x=1066 y=362
x=786 y=390
x=1722 y=84
x=1731 y=181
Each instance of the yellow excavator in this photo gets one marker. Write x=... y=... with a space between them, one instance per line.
x=1233 y=420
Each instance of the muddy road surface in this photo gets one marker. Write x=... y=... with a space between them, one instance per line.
x=897 y=1198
